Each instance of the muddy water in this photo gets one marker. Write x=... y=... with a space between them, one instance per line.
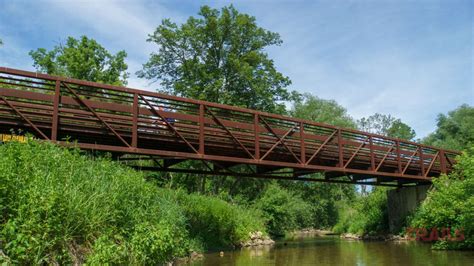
x=330 y=250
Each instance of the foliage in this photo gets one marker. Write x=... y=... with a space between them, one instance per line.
x=367 y=215
x=450 y=204
x=55 y=203
x=324 y=199
x=216 y=222
x=386 y=125
x=219 y=57
x=324 y=111
x=84 y=59
x=455 y=130
x=283 y=210
x=59 y=207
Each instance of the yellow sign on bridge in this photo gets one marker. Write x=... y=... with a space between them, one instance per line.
x=11 y=137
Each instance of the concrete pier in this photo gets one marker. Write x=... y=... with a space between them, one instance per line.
x=401 y=203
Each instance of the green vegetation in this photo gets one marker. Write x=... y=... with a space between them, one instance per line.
x=366 y=216
x=455 y=130
x=324 y=111
x=450 y=204
x=386 y=125
x=283 y=210
x=82 y=58
x=59 y=206
x=215 y=222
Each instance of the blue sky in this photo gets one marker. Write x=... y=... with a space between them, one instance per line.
x=410 y=59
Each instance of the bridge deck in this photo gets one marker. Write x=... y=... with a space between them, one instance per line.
x=169 y=129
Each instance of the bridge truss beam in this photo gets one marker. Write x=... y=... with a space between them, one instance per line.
x=136 y=122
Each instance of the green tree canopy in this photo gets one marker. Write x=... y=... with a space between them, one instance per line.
x=386 y=125
x=324 y=111
x=218 y=57
x=82 y=58
x=455 y=130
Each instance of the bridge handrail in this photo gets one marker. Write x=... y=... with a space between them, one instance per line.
x=30 y=74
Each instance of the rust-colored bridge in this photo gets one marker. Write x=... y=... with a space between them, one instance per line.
x=136 y=124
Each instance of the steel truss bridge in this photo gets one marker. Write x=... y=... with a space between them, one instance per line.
x=167 y=130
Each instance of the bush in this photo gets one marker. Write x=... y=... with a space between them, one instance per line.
x=450 y=204
x=367 y=215
x=216 y=222
x=60 y=207
x=283 y=211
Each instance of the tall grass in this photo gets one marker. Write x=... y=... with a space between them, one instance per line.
x=58 y=206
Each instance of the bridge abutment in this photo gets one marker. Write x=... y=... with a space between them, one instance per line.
x=401 y=203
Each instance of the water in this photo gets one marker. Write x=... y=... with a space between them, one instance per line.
x=330 y=250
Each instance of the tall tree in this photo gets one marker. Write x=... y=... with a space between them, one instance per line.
x=386 y=125
x=324 y=111
x=82 y=58
x=218 y=57
x=455 y=130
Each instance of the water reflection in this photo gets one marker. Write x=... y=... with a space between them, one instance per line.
x=330 y=250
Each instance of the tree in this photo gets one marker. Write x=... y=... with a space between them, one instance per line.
x=386 y=125
x=82 y=58
x=219 y=57
x=455 y=130
x=324 y=111
x=400 y=130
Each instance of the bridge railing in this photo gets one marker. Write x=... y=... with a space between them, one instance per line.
x=124 y=120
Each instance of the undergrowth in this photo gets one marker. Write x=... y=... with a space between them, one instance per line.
x=60 y=206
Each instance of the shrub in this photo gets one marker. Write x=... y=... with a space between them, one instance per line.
x=450 y=204
x=60 y=207
x=283 y=211
x=216 y=222
x=367 y=215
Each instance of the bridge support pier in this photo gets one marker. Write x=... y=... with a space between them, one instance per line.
x=401 y=203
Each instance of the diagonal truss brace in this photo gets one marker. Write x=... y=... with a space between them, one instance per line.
x=436 y=156
x=168 y=124
x=280 y=139
x=82 y=102
x=385 y=157
x=321 y=146
x=356 y=151
x=24 y=118
x=234 y=138
x=409 y=161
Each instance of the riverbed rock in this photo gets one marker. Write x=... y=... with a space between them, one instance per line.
x=310 y=232
x=397 y=238
x=351 y=236
x=388 y=237
x=257 y=239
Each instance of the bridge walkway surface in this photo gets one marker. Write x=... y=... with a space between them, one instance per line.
x=166 y=130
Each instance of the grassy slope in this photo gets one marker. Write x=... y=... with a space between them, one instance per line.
x=60 y=206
